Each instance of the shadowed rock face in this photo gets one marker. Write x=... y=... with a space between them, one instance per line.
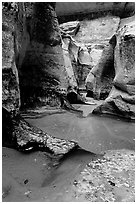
x=23 y=46
x=42 y=71
x=10 y=81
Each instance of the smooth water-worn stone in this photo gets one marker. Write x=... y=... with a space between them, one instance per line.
x=41 y=64
x=121 y=100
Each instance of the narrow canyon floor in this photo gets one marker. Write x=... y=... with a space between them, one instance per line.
x=103 y=169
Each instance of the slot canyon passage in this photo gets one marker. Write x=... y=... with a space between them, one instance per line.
x=68 y=102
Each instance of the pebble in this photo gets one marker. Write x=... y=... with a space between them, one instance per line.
x=27 y=192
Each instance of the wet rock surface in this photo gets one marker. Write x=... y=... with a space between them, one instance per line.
x=107 y=179
x=90 y=132
x=27 y=138
x=38 y=177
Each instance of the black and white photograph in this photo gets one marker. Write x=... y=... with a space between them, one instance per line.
x=68 y=101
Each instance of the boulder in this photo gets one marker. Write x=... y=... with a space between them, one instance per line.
x=121 y=100
x=70 y=28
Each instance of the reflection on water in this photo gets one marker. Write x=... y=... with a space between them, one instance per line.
x=38 y=177
x=93 y=133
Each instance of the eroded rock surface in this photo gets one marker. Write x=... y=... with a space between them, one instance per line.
x=121 y=100
x=10 y=80
x=24 y=137
x=42 y=72
x=98 y=38
x=89 y=49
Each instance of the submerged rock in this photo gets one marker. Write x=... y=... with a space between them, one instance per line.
x=110 y=178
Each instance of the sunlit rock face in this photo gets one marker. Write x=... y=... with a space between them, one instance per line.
x=99 y=80
x=10 y=80
x=96 y=34
x=91 y=54
x=106 y=44
x=121 y=100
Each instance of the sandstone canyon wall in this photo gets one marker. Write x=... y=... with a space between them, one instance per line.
x=43 y=63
